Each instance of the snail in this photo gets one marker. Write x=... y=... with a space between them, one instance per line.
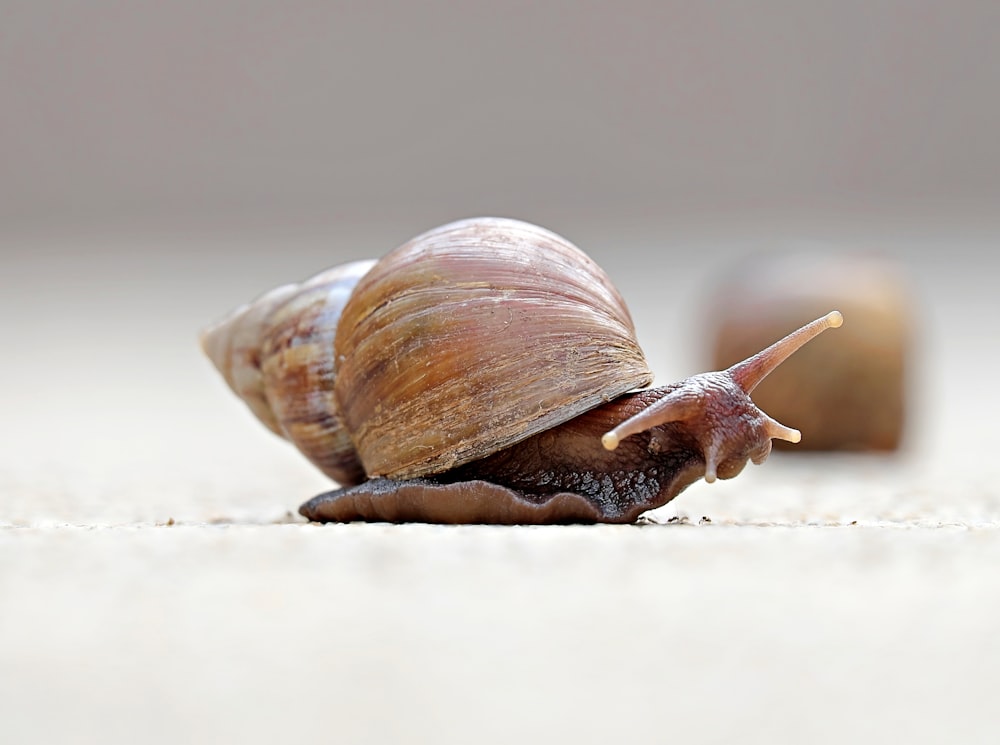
x=486 y=371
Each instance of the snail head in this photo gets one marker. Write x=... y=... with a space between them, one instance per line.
x=716 y=406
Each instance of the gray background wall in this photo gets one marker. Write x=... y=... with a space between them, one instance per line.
x=187 y=111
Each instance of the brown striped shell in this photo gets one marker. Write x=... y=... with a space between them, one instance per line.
x=276 y=353
x=472 y=337
x=467 y=339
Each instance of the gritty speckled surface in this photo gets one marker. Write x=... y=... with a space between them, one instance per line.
x=783 y=630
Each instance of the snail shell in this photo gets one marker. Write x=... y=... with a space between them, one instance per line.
x=473 y=337
x=277 y=355
x=465 y=340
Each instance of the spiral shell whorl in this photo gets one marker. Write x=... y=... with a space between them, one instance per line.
x=474 y=336
x=277 y=354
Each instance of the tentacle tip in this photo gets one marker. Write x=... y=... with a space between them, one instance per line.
x=610 y=441
x=778 y=431
x=834 y=319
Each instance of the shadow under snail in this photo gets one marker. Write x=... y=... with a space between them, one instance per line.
x=486 y=371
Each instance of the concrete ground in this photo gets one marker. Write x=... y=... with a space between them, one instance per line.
x=156 y=587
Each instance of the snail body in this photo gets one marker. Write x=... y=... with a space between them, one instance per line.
x=485 y=371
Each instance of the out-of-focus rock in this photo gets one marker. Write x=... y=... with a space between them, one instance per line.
x=845 y=390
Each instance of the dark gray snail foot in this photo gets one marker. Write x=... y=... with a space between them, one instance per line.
x=421 y=500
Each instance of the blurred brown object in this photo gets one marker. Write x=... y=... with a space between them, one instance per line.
x=845 y=391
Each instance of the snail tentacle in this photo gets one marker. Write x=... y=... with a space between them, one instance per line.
x=727 y=392
x=750 y=372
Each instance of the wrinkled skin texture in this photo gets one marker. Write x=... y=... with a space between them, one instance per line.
x=565 y=475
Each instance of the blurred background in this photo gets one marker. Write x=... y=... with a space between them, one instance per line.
x=161 y=163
